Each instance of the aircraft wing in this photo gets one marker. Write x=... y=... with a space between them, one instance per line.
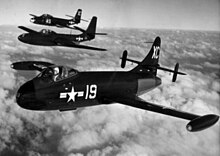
x=30 y=65
x=67 y=43
x=27 y=29
x=89 y=47
x=62 y=26
x=196 y=123
x=33 y=15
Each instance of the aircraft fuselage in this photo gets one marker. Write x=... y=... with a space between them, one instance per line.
x=53 y=21
x=83 y=89
x=52 y=39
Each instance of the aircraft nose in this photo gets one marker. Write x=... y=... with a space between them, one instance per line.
x=32 y=20
x=20 y=37
x=26 y=95
x=158 y=81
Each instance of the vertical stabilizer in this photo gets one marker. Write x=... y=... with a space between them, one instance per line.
x=151 y=60
x=91 y=30
x=78 y=16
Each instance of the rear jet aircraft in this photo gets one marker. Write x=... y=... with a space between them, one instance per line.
x=49 y=20
x=63 y=88
x=47 y=37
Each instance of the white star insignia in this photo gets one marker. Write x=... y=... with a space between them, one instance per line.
x=72 y=95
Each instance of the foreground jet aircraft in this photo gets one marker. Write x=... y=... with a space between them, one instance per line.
x=50 y=38
x=63 y=88
x=49 y=20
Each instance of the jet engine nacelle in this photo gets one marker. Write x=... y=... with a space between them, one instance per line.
x=202 y=122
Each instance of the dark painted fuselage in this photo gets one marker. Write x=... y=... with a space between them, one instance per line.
x=83 y=89
x=53 y=21
x=52 y=39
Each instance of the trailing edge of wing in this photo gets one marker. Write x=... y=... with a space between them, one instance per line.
x=67 y=43
x=89 y=47
x=27 y=29
x=61 y=26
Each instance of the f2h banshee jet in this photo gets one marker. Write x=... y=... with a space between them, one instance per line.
x=49 y=20
x=48 y=37
x=64 y=88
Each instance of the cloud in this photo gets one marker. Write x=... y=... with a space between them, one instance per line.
x=112 y=129
x=210 y=65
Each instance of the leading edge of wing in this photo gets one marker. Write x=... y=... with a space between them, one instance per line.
x=135 y=101
x=33 y=15
x=27 y=29
x=197 y=123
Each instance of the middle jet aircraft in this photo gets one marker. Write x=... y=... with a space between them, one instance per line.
x=48 y=37
x=59 y=87
x=49 y=20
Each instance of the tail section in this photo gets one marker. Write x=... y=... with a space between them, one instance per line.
x=91 y=30
x=150 y=62
x=77 y=17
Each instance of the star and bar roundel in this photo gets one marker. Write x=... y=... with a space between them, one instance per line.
x=89 y=93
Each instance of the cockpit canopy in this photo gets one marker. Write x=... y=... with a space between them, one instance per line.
x=46 y=16
x=57 y=73
x=47 y=31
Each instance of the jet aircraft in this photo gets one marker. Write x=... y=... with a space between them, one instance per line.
x=59 y=87
x=48 y=37
x=49 y=20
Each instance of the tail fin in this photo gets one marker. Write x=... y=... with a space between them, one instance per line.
x=150 y=62
x=78 y=16
x=91 y=30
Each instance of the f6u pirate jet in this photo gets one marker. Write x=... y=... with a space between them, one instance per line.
x=48 y=37
x=63 y=88
x=49 y=20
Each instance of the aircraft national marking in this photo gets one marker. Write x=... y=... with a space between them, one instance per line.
x=72 y=94
x=156 y=52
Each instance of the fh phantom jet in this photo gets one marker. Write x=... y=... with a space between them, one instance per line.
x=49 y=20
x=50 y=38
x=63 y=88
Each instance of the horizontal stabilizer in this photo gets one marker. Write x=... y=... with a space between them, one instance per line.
x=80 y=29
x=124 y=59
x=70 y=16
x=80 y=19
x=100 y=33
x=150 y=67
x=175 y=71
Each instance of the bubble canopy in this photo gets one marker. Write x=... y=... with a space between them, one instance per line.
x=57 y=73
x=46 y=16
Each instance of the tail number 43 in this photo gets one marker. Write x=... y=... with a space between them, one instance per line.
x=91 y=91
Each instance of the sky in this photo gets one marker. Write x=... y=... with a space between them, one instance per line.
x=153 y=14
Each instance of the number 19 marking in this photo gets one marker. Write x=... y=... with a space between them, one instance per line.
x=91 y=91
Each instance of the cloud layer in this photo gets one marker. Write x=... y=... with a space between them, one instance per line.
x=115 y=129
